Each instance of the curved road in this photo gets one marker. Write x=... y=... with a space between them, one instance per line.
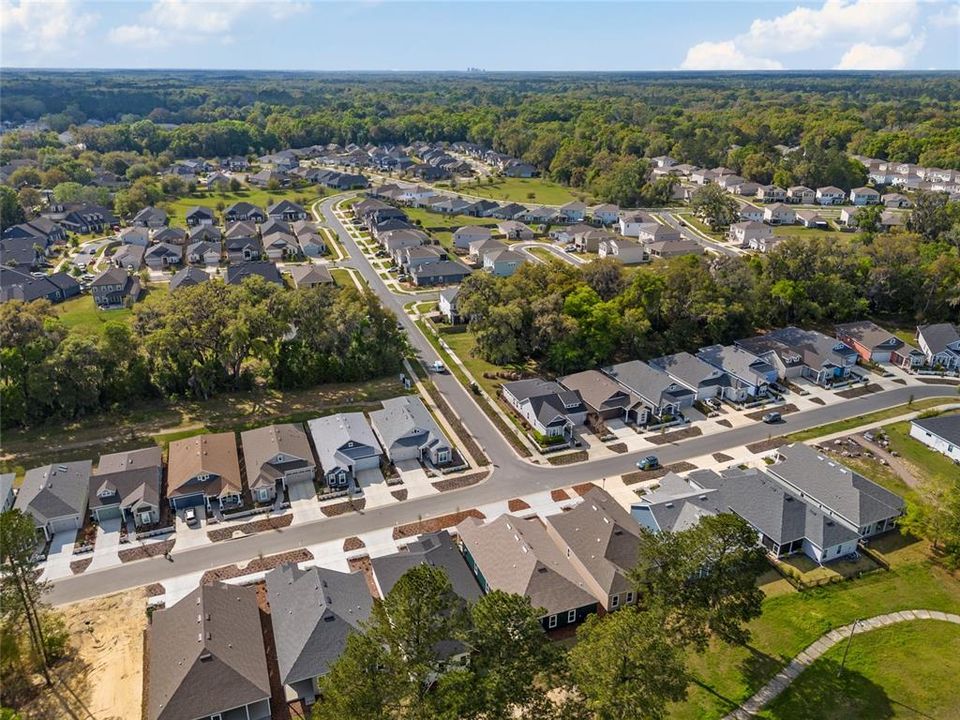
x=512 y=475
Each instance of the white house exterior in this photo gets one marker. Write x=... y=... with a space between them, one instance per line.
x=941 y=434
x=830 y=195
x=864 y=196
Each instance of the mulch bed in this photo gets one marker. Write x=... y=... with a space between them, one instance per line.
x=271 y=523
x=155 y=590
x=400 y=495
x=260 y=564
x=516 y=505
x=559 y=495
x=363 y=564
x=725 y=423
x=78 y=566
x=435 y=524
x=676 y=435
x=720 y=457
x=782 y=409
x=568 y=458
x=817 y=401
x=583 y=488
x=937 y=381
x=465 y=437
x=344 y=507
x=353 y=543
x=459 y=482
x=618 y=447
x=146 y=551
x=642 y=475
x=867 y=389
x=766 y=445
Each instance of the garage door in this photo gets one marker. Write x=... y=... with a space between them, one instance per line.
x=108 y=513
x=187 y=501
x=367 y=463
x=68 y=523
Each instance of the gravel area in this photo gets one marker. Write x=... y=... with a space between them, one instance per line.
x=856 y=392
x=641 y=475
x=353 y=543
x=435 y=524
x=400 y=495
x=559 y=495
x=618 y=447
x=568 y=458
x=675 y=436
x=725 y=423
x=259 y=564
x=516 y=505
x=146 y=551
x=344 y=507
x=720 y=457
x=817 y=401
x=78 y=566
x=459 y=482
x=271 y=523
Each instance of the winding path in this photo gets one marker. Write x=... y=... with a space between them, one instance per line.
x=785 y=677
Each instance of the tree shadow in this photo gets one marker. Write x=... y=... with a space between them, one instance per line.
x=66 y=697
x=824 y=692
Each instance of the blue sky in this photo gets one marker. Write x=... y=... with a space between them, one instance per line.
x=406 y=35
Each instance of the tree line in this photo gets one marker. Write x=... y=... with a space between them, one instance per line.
x=569 y=318
x=197 y=342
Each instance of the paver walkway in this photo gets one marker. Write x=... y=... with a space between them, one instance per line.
x=796 y=666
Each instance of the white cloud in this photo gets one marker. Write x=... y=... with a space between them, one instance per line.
x=864 y=31
x=864 y=56
x=167 y=22
x=724 y=56
x=31 y=28
x=947 y=18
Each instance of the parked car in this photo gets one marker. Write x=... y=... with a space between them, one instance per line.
x=772 y=417
x=190 y=517
x=714 y=403
x=650 y=462
x=438 y=367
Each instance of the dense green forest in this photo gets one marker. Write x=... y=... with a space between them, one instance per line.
x=590 y=131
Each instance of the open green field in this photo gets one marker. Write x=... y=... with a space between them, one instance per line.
x=908 y=670
x=929 y=464
x=800 y=231
x=544 y=254
x=442 y=226
x=80 y=315
x=520 y=189
x=874 y=417
x=726 y=676
x=261 y=198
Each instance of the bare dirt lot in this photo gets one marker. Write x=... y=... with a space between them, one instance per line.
x=104 y=678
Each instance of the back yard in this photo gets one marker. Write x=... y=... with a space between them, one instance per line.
x=521 y=190
x=261 y=198
x=80 y=314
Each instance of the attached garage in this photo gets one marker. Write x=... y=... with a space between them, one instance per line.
x=187 y=501
x=70 y=522
x=109 y=512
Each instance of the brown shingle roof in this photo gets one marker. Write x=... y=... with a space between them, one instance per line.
x=214 y=455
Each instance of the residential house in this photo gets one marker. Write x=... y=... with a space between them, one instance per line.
x=236 y=274
x=134 y=236
x=890 y=220
x=151 y=217
x=542 y=215
x=803 y=353
x=207 y=658
x=163 y=255
x=205 y=233
x=187 y=277
x=729 y=182
x=129 y=257
x=864 y=196
x=518 y=556
x=200 y=216
x=266 y=177
x=345 y=446
x=656 y=396
x=463 y=236
x=409 y=258
x=606 y=214
x=204 y=470
x=764 y=244
x=204 y=253
x=602 y=542
x=287 y=211
x=126 y=486
x=800 y=195
x=481 y=208
x=445 y=272
x=703 y=379
x=573 y=211
x=830 y=195
x=750 y=212
x=170 y=236
x=276 y=457
x=313 y=611
x=510 y=211
x=590 y=240
x=779 y=214
x=848 y=217
x=811 y=219
x=748 y=189
x=873 y=343
x=514 y=230
x=657 y=232
x=115 y=287
x=447 y=304
x=17 y=285
x=673 y=248
x=630 y=223
x=8 y=495
x=548 y=408
x=896 y=200
x=55 y=496
x=394 y=240
x=566 y=233
x=407 y=431
x=602 y=395
x=310 y=275
x=623 y=251
x=940 y=344
x=280 y=246
x=746 y=375
x=941 y=434
x=242 y=248
x=771 y=194
x=743 y=232
x=311 y=244
x=518 y=169
x=44 y=231
x=83 y=218
x=502 y=262
x=244 y=211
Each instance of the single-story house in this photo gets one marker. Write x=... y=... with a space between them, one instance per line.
x=129 y=257
x=200 y=216
x=236 y=274
x=204 y=253
x=514 y=230
x=170 y=236
x=55 y=496
x=204 y=470
x=345 y=445
x=940 y=433
x=746 y=375
x=127 y=486
x=135 y=235
x=657 y=394
x=445 y=272
x=287 y=211
x=872 y=342
x=163 y=255
x=703 y=379
x=276 y=456
x=602 y=395
x=812 y=219
x=151 y=217
x=803 y=353
x=309 y=275
x=407 y=431
x=551 y=410
x=188 y=276
x=244 y=211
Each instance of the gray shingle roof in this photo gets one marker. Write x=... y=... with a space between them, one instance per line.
x=738 y=362
x=340 y=437
x=650 y=383
x=939 y=336
x=945 y=426
x=688 y=369
x=435 y=549
x=313 y=611
x=55 y=491
x=598 y=390
x=133 y=476
x=405 y=420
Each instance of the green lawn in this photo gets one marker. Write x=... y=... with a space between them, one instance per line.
x=907 y=670
x=81 y=315
x=928 y=463
x=800 y=231
x=440 y=220
x=726 y=676
x=869 y=418
x=697 y=223
x=544 y=254
x=261 y=198
x=344 y=278
x=519 y=190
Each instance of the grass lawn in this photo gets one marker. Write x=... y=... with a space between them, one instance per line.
x=343 y=277
x=697 y=223
x=907 y=670
x=440 y=220
x=261 y=198
x=930 y=465
x=726 y=676
x=519 y=190
x=874 y=417
x=544 y=254
x=800 y=231
x=81 y=315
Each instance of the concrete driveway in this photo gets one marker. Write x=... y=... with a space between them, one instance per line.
x=303 y=502
x=60 y=555
x=107 y=545
x=190 y=537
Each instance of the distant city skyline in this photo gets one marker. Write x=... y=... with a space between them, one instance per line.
x=562 y=35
